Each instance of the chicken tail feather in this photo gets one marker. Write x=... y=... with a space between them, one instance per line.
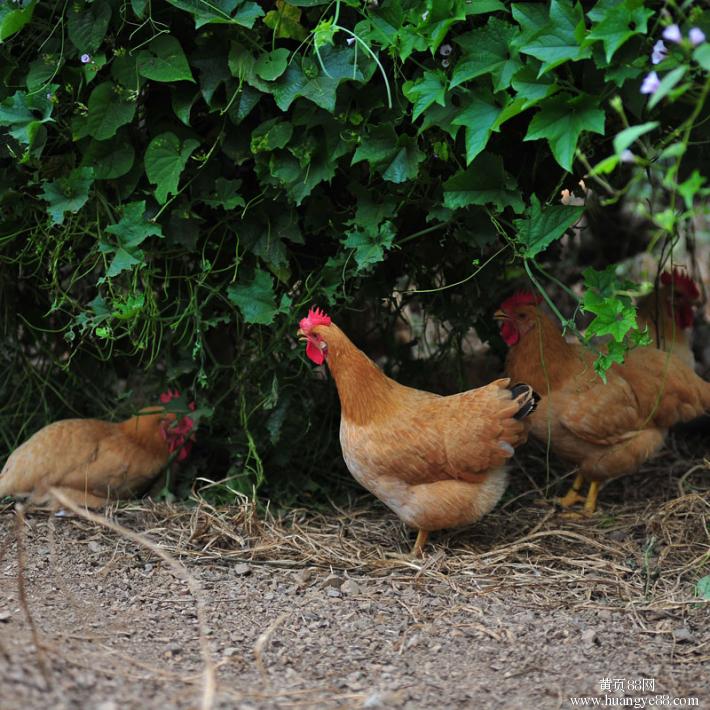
x=527 y=397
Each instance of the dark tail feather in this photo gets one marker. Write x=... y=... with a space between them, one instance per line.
x=531 y=399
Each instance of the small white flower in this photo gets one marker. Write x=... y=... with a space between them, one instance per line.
x=650 y=83
x=672 y=34
x=445 y=50
x=696 y=36
x=425 y=15
x=627 y=156
x=350 y=41
x=85 y=58
x=660 y=52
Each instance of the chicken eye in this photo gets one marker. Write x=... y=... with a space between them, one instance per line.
x=322 y=345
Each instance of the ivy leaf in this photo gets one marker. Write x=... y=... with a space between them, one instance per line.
x=164 y=60
x=702 y=55
x=286 y=20
x=225 y=194
x=613 y=316
x=165 y=159
x=561 y=120
x=107 y=112
x=619 y=23
x=305 y=78
x=133 y=228
x=539 y=228
x=370 y=247
x=271 y=135
x=379 y=145
x=531 y=88
x=478 y=116
x=13 y=19
x=561 y=39
x=220 y=12
x=131 y=231
x=67 y=194
x=667 y=84
x=272 y=65
x=428 y=89
x=24 y=114
x=87 y=24
x=256 y=300
x=110 y=159
x=483 y=182
x=487 y=50
x=405 y=163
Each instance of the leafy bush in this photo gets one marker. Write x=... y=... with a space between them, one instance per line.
x=181 y=179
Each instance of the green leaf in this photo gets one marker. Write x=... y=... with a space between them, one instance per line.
x=613 y=316
x=13 y=19
x=225 y=194
x=561 y=39
x=165 y=159
x=428 y=89
x=271 y=135
x=133 y=228
x=702 y=55
x=256 y=300
x=619 y=24
x=405 y=163
x=483 y=182
x=304 y=78
x=109 y=159
x=667 y=83
x=629 y=135
x=379 y=145
x=531 y=88
x=220 y=12
x=87 y=24
x=67 y=194
x=540 y=227
x=286 y=21
x=131 y=231
x=107 y=112
x=690 y=188
x=370 y=248
x=561 y=120
x=164 y=60
x=478 y=116
x=24 y=114
x=272 y=65
x=487 y=50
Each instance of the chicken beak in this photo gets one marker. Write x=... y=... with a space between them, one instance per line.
x=301 y=334
x=501 y=315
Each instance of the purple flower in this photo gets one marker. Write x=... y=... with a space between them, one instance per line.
x=696 y=36
x=672 y=34
x=660 y=52
x=85 y=58
x=650 y=83
x=627 y=156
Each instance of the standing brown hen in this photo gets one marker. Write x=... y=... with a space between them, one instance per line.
x=437 y=462
x=607 y=430
x=93 y=461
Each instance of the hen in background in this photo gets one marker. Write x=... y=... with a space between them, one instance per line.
x=669 y=312
x=606 y=430
x=437 y=462
x=93 y=462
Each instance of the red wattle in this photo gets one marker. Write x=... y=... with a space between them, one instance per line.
x=315 y=354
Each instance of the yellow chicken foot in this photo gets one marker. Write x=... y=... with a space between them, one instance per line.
x=418 y=549
x=573 y=495
x=590 y=504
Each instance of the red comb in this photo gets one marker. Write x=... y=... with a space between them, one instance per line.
x=315 y=317
x=682 y=282
x=520 y=298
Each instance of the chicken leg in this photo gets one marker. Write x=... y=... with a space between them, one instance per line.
x=573 y=494
x=418 y=549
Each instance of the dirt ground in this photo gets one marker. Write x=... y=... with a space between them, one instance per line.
x=230 y=609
